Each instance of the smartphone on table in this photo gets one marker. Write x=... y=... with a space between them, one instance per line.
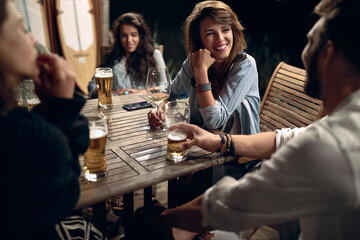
x=138 y=105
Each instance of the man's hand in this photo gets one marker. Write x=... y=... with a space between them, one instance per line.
x=180 y=234
x=151 y=213
x=198 y=137
x=187 y=216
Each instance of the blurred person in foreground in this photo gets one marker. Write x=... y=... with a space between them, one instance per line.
x=39 y=149
x=313 y=177
x=131 y=56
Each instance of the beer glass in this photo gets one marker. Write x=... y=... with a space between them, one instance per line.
x=31 y=98
x=94 y=157
x=176 y=112
x=104 y=79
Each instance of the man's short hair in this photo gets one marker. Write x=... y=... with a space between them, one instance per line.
x=342 y=26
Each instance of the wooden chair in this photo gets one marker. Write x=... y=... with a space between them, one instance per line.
x=285 y=104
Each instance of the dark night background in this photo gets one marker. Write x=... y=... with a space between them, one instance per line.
x=275 y=30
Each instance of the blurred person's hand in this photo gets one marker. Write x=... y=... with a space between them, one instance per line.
x=122 y=91
x=57 y=78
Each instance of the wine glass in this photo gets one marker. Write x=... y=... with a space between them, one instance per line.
x=158 y=86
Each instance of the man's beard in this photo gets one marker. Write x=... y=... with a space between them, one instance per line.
x=313 y=86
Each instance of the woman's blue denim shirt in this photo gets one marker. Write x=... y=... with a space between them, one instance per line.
x=237 y=108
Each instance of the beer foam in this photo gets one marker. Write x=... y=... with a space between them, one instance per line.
x=33 y=101
x=103 y=75
x=177 y=136
x=97 y=133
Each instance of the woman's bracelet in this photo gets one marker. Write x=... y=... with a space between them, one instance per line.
x=203 y=87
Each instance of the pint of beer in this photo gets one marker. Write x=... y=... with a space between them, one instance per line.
x=176 y=112
x=175 y=139
x=104 y=79
x=94 y=157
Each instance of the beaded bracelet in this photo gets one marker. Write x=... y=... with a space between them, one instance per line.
x=232 y=146
x=222 y=142
x=229 y=144
x=228 y=141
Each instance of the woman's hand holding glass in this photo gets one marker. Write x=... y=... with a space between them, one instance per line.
x=156 y=117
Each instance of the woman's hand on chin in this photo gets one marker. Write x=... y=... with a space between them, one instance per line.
x=201 y=61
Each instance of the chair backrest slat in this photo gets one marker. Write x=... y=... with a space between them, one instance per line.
x=285 y=104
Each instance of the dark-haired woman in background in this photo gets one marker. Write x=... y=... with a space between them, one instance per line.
x=132 y=54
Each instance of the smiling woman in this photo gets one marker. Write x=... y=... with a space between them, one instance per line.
x=218 y=76
x=220 y=79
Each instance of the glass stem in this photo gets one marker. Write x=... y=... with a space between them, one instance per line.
x=157 y=107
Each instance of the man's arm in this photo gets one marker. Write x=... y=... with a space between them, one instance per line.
x=260 y=145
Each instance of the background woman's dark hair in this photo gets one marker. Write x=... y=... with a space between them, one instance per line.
x=142 y=58
x=6 y=93
x=222 y=14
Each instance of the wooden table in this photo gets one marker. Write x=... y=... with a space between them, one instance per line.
x=135 y=156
